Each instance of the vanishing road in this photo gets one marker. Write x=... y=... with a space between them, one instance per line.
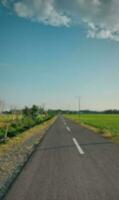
x=71 y=163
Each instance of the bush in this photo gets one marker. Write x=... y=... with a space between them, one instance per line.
x=2 y=133
x=12 y=132
x=24 y=124
x=28 y=122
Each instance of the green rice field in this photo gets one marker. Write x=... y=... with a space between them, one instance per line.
x=103 y=122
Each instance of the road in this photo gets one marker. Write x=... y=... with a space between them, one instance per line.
x=71 y=163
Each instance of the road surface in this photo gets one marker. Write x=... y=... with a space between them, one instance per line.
x=71 y=163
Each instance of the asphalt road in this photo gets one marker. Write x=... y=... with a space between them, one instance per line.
x=71 y=163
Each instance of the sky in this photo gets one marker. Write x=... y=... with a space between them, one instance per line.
x=53 y=51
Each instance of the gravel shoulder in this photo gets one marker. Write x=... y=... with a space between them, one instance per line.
x=16 y=151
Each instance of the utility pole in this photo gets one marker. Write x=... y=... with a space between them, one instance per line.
x=79 y=106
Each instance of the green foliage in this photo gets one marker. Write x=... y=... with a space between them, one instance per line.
x=26 y=112
x=29 y=118
x=2 y=133
x=32 y=112
x=24 y=124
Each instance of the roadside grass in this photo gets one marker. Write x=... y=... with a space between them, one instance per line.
x=21 y=138
x=5 y=117
x=12 y=125
x=106 y=124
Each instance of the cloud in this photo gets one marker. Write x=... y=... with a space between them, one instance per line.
x=99 y=17
x=41 y=11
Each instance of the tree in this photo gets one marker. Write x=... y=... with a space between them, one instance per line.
x=34 y=111
x=31 y=112
x=26 y=112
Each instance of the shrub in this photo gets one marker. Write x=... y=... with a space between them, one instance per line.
x=2 y=133
x=12 y=132
x=21 y=125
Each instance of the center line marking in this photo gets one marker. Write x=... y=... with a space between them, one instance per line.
x=78 y=146
x=68 y=129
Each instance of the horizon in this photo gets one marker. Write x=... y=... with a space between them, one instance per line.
x=52 y=58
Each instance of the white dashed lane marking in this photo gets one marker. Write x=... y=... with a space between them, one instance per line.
x=68 y=129
x=78 y=146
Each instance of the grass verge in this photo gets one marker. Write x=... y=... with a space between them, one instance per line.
x=104 y=124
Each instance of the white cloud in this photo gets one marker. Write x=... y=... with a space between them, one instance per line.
x=41 y=11
x=100 y=17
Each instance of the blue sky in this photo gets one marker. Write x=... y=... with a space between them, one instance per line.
x=43 y=63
